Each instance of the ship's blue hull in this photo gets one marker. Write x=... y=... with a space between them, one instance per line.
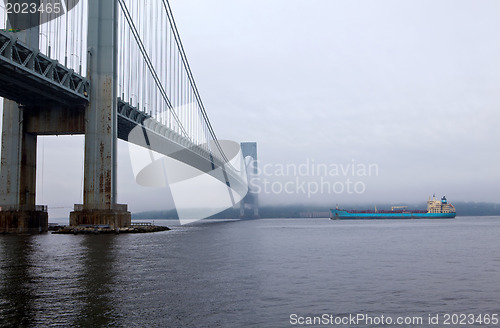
x=345 y=215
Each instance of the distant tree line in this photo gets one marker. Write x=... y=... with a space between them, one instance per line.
x=476 y=209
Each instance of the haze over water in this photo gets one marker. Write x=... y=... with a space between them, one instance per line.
x=252 y=273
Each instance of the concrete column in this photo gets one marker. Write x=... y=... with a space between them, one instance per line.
x=28 y=171
x=18 y=164
x=99 y=189
x=11 y=155
x=18 y=176
x=18 y=167
x=28 y=23
x=100 y=114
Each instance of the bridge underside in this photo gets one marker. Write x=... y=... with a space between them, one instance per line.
x=19 y=213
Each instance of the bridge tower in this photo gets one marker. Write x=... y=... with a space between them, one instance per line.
x=251 y=200
x=99 y=187
x=97 y=120
x=18 y=165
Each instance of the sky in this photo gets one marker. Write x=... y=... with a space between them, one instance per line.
x=412 y=86
x=348 y=101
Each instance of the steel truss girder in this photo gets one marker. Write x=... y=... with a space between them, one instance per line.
x=172 y=143
x=129 y=117
x=30 y=78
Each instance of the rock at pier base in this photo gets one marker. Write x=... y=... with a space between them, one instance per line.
x=106 y=229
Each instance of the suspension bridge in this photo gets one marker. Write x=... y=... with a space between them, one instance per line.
x=106 y=69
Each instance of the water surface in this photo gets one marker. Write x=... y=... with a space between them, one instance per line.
x=251 y=273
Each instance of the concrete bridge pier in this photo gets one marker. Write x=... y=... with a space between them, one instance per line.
x=18 y=213
x=99 y=190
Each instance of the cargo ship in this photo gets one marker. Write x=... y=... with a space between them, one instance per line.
x=436 y=209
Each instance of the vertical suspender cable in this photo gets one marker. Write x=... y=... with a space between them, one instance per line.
x=82 y=48
x=191 y=79
x=148 y=63
x=66 y=44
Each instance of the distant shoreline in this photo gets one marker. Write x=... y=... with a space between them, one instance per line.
x=321 y=211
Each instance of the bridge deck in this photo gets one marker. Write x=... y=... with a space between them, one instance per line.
x=31 y=78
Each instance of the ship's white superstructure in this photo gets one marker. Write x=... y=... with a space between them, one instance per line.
x=439 y=206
